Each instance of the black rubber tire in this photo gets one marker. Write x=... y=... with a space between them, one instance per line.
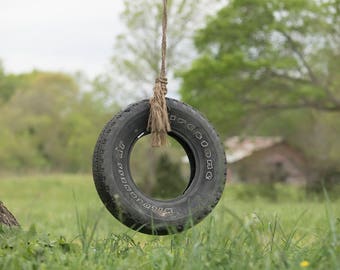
x=118 y=191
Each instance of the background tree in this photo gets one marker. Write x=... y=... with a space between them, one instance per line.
x=268 y=67
x=136 y=57
x=264 y=55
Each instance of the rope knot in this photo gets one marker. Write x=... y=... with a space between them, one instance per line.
x=163 y=82
x=158 y=123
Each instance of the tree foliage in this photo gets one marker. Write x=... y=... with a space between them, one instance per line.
x=264 y=55
x=48 y=123
x=137 y=52
x=8 y=84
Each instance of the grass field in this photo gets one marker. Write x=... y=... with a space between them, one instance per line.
x=66 y=227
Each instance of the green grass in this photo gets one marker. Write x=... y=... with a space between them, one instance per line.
x=65 y=226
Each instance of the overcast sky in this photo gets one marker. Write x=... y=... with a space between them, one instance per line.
x=58 y=35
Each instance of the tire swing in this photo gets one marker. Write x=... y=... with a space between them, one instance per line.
x=161 y=117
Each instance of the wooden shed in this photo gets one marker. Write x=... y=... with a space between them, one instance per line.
x=264 y=160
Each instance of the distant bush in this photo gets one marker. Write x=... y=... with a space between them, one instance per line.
x=169 y=180
x=330 y=183
x=284 y=192
x=271 y=192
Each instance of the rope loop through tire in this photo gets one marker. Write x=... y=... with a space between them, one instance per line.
x=118 y=191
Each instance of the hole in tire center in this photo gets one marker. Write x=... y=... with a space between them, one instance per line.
x=162 y=173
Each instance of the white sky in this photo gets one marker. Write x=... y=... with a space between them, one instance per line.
x=58 y=35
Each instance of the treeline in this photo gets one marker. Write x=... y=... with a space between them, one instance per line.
x=261 y=67
x=49 y=122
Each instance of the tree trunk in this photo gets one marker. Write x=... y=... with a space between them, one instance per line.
x=6 y=216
